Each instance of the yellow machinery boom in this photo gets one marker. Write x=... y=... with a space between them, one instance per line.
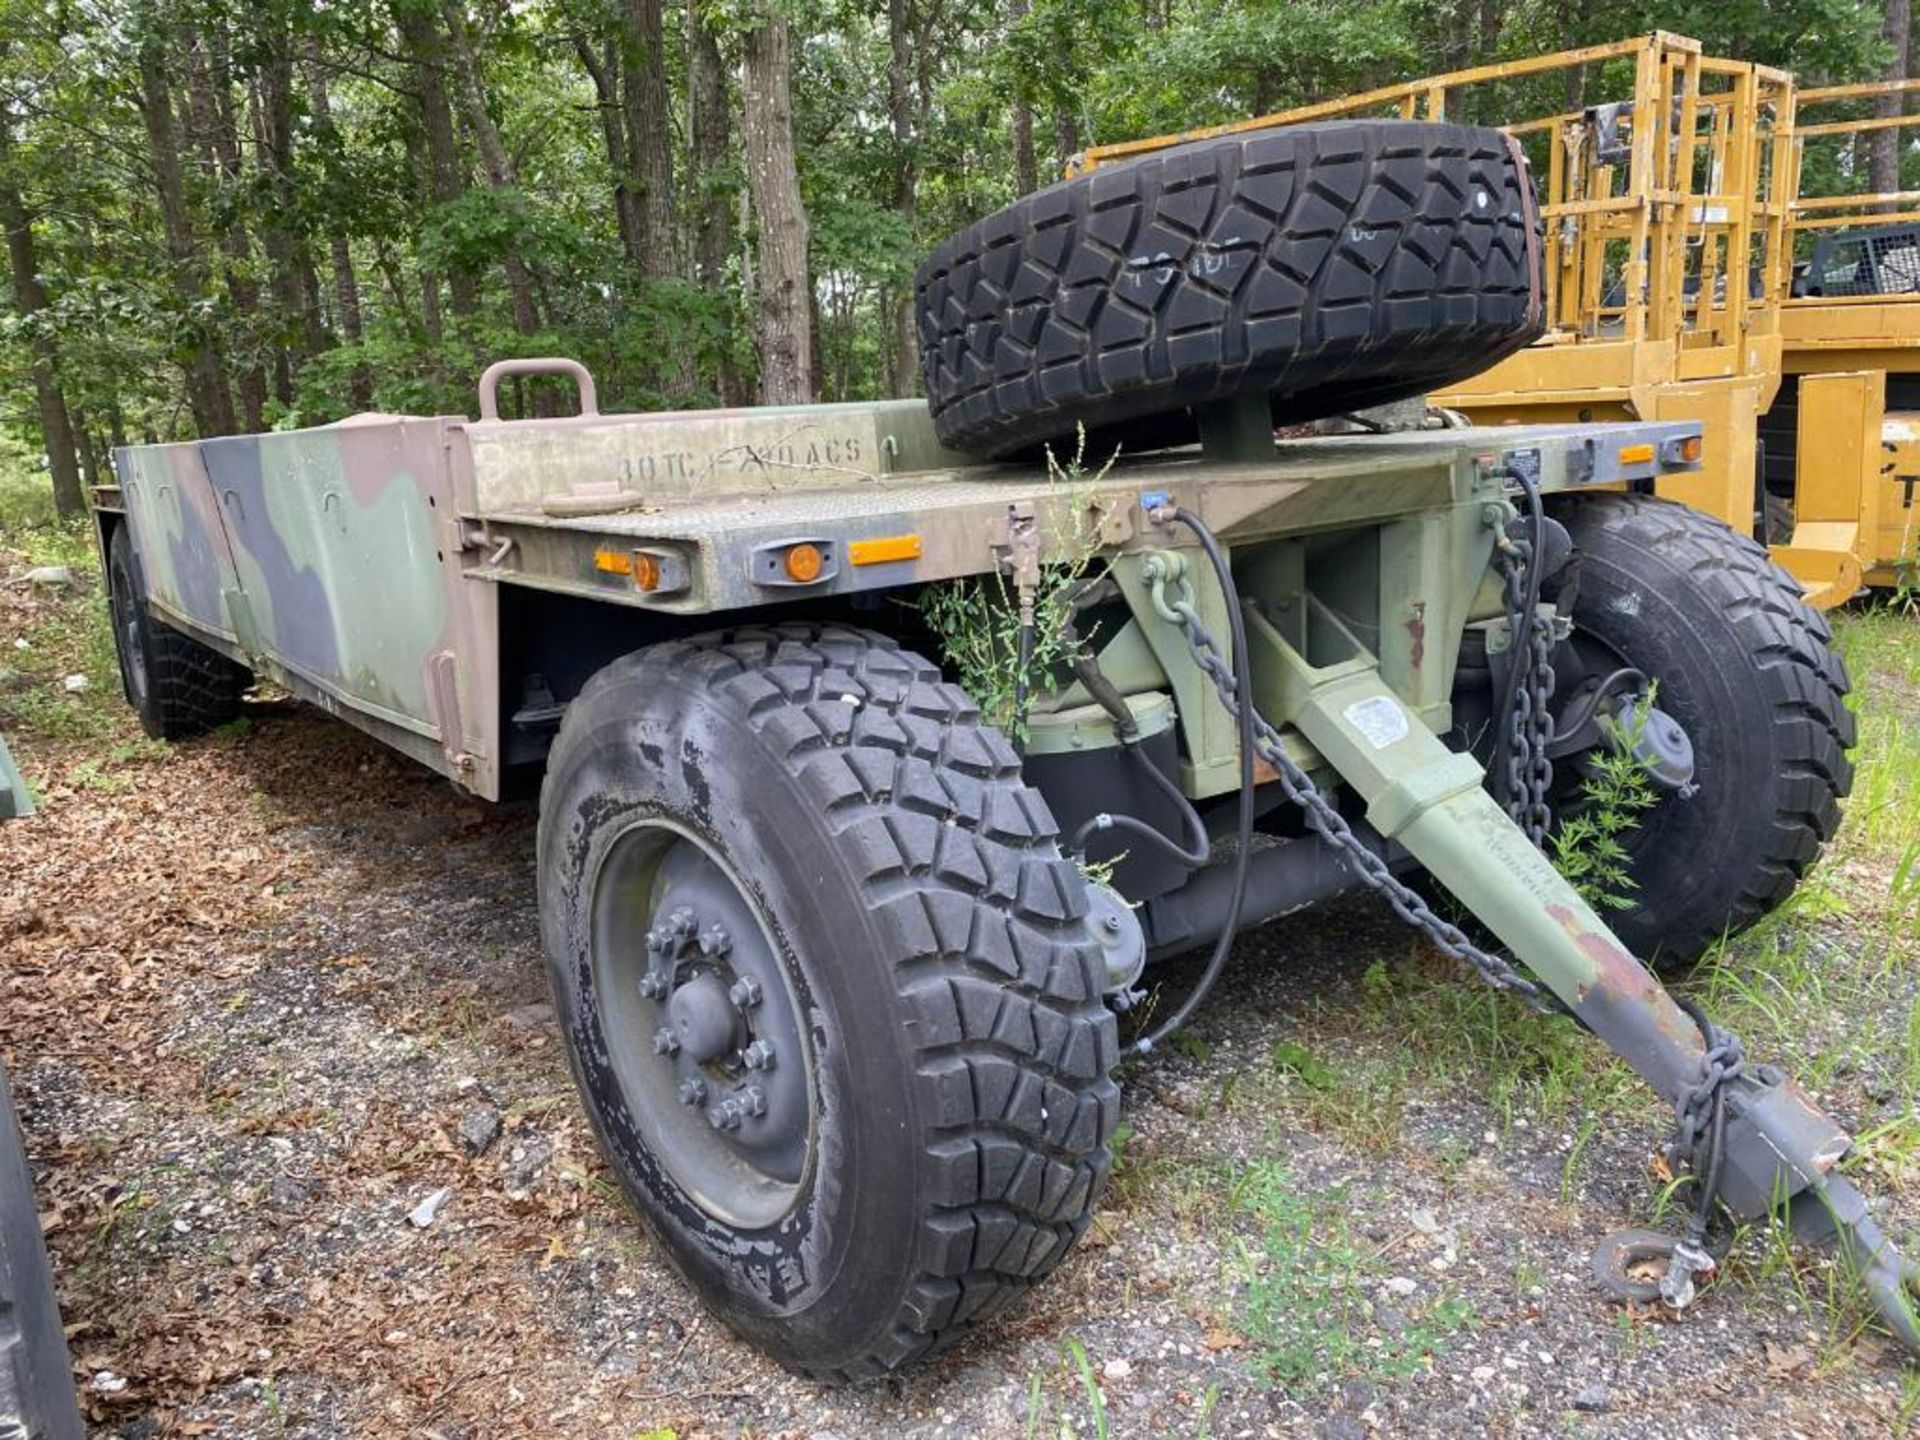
x=1672 y=216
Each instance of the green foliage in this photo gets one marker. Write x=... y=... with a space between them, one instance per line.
x=1292 y=1058
x=977 y=619
x=429 y=273
x=1090 y=1387
x=1311 y=1304
x=1589 y=847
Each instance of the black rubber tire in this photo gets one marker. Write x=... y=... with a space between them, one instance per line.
x=1332 y=266
x=36 y=1375
x=923 y=914
x=177 y=686
x=1747 y=667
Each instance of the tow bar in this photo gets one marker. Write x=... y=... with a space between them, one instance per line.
x=1755 y=1142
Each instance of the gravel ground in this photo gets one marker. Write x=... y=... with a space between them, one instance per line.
x=311 y=1165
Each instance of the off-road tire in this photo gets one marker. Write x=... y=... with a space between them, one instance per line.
x=36 y=1376
x=187 y=688
x=1747 y=668
x=921 y=910
x=1331 y=266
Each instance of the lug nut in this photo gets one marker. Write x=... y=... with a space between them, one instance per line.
x=665 y=1042
x=654 y=985
x=693 y=1092
x=725 y=1115
x=753 y=1100
x=656 y=941
x=745 y=992
x=681 y=923
x=714 y=940
x=757 y=1056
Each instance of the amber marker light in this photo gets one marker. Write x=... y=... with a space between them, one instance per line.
x=884 y=549
x=646 y=571
x=804 y=562
x=1636 y=454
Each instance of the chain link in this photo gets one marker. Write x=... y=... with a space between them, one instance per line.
x=1332 y=826
x=1725 y=1060
x=1529 y=770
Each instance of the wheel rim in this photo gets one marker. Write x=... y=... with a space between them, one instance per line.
x=701 y=1025
x=126 y=621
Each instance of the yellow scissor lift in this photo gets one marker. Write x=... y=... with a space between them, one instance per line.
x=1849 y=407
x=1670 y=216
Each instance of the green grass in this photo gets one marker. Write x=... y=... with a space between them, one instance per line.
x=1312 y=1310
x=68 y=635
x=28 y=523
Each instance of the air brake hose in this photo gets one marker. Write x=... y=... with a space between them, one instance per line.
x=1193 y=855
x=1243 y=714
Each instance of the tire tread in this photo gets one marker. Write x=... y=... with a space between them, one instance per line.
x=1802 y=680
x=1332 y=266
x=997 y=966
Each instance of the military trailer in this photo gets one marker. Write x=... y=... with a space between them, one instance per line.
x=882 y=747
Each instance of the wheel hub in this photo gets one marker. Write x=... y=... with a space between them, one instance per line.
x=709 y=1042
x=703 y=1020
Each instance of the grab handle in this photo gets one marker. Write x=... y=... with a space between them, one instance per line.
x=490 y=382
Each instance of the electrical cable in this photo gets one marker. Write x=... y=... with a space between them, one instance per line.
x=1194 y=856
x=1243 y=715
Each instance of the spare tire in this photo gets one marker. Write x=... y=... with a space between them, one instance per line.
x=1331 y=266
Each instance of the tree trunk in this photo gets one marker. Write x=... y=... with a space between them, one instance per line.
x=785 y=299
x=296 y=284
x=30 y=299
x=420 y=28
x=89 y=456
x=604 y=71
x=211 y=117
x=494 y=159
x=1883 y=165
x=649 y=137
x=207 y=393
x=903 y=344
x=710 y=131
x=346 y=284
x=1066 y=137
x=1026 y=161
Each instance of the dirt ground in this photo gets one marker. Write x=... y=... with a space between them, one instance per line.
x=264 y=994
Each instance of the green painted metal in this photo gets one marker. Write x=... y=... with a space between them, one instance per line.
x=1088 y=727
x=1434 y=801
x=16 y=800
x=1211 y=765
x=363 y=564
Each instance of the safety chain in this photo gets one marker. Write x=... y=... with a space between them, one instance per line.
x=1332 y=826
x=1529 y=771
x=1725 y=1060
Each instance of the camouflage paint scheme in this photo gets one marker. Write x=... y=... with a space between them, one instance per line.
x=360 y=564
x=330 y=559
x=186 y=566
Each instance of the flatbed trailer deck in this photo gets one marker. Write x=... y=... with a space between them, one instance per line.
x=363 y=566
